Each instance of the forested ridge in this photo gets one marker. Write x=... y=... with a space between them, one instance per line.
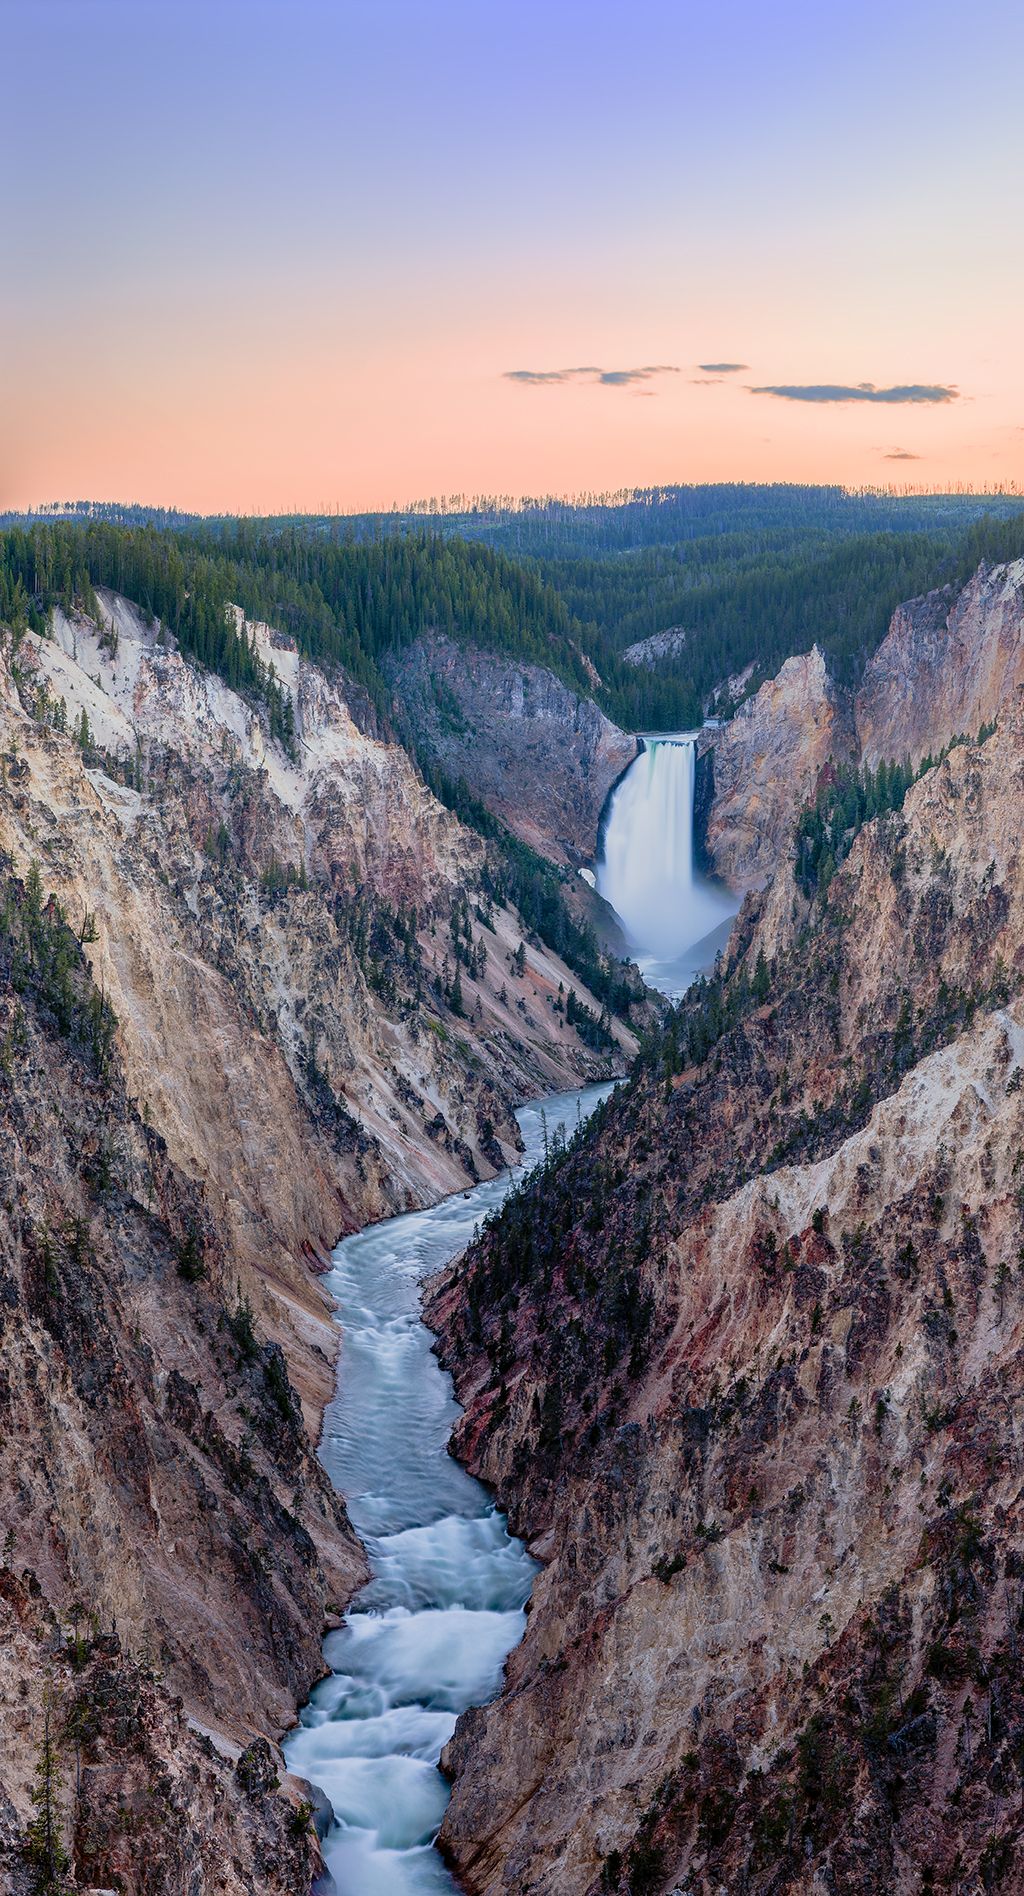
x=753 y=575
x=346 y=605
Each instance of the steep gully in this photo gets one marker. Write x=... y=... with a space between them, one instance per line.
x=428 y=1636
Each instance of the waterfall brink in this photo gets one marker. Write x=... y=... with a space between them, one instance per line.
x=647 y=871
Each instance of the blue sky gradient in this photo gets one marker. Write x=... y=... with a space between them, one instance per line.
x=266 y=254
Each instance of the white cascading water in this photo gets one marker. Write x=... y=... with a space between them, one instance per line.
x=430 y=1633
x=673 y=916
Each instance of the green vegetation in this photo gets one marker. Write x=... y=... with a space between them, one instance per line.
x=745 y=602
x=849 y=798
x=515 y=874
x=346 y=603
x=48 y=1858
x=41 y=957
x=753 y=573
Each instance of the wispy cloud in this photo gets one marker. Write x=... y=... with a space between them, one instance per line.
x=539 y=378
x=605 y=378
x=901 y=454
x=911 y=392
x=722 y=368
x=705 y=381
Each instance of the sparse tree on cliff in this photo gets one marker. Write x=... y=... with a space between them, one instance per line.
x=45 y=1845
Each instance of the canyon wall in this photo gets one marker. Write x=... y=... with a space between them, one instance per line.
x=539 y=755
x=747 y=1370
x=767 y=761
x=310 y=1013
x=949 y=663
x=171 y=1543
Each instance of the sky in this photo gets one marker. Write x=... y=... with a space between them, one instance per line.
x=262 y=255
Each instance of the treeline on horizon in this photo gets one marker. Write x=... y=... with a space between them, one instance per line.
x=557 y=525
x=772 y=571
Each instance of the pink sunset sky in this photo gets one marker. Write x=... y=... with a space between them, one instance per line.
x=262 y=257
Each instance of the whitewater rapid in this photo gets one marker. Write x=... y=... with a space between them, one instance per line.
x=674 y=918
x=429 y=1635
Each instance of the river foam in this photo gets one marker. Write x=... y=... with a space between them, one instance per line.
x=429 y=1635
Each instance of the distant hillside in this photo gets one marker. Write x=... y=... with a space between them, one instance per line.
x=755 y=574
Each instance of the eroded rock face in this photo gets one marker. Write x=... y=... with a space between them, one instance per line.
x=240 y=899
x=276 y=935
x=171 y=1543
x=539 y=755
x=767 y=761
x=750 y=1379
x=948 y=665
x=649 y=652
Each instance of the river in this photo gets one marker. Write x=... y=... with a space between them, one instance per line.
x=429 y=1635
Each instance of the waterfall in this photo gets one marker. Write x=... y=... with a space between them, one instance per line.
x=646 y=872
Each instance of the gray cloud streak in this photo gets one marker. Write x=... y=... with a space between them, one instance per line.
x=606 y=378
x=722 y=368
x=909 y=392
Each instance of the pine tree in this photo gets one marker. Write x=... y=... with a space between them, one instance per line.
x=45 y=1846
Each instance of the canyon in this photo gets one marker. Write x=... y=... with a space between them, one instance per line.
x=740 y=1360
x=254 y=999
x=744 y=1365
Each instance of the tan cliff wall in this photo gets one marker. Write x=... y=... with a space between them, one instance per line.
x=751 y=1385
x=767 y=761
x=948 y=665
x=274 y=934
x=171 y=1543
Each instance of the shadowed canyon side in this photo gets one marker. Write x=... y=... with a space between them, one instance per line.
x=257 y=994
x=537 y=753
x=744 y=1366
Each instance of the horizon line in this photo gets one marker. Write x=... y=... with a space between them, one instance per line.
x=448 y=506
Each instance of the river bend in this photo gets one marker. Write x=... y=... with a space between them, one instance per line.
x=429 y=1634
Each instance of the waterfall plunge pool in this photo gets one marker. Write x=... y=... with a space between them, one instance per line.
x=429 y=1634
x=676 y=919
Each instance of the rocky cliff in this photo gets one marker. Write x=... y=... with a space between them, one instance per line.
x=767 y=761
x=747 y=1368
x=539 y=755
x=171 y=1543
x=948 y=664
x=650 y=652
x=252 y=996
